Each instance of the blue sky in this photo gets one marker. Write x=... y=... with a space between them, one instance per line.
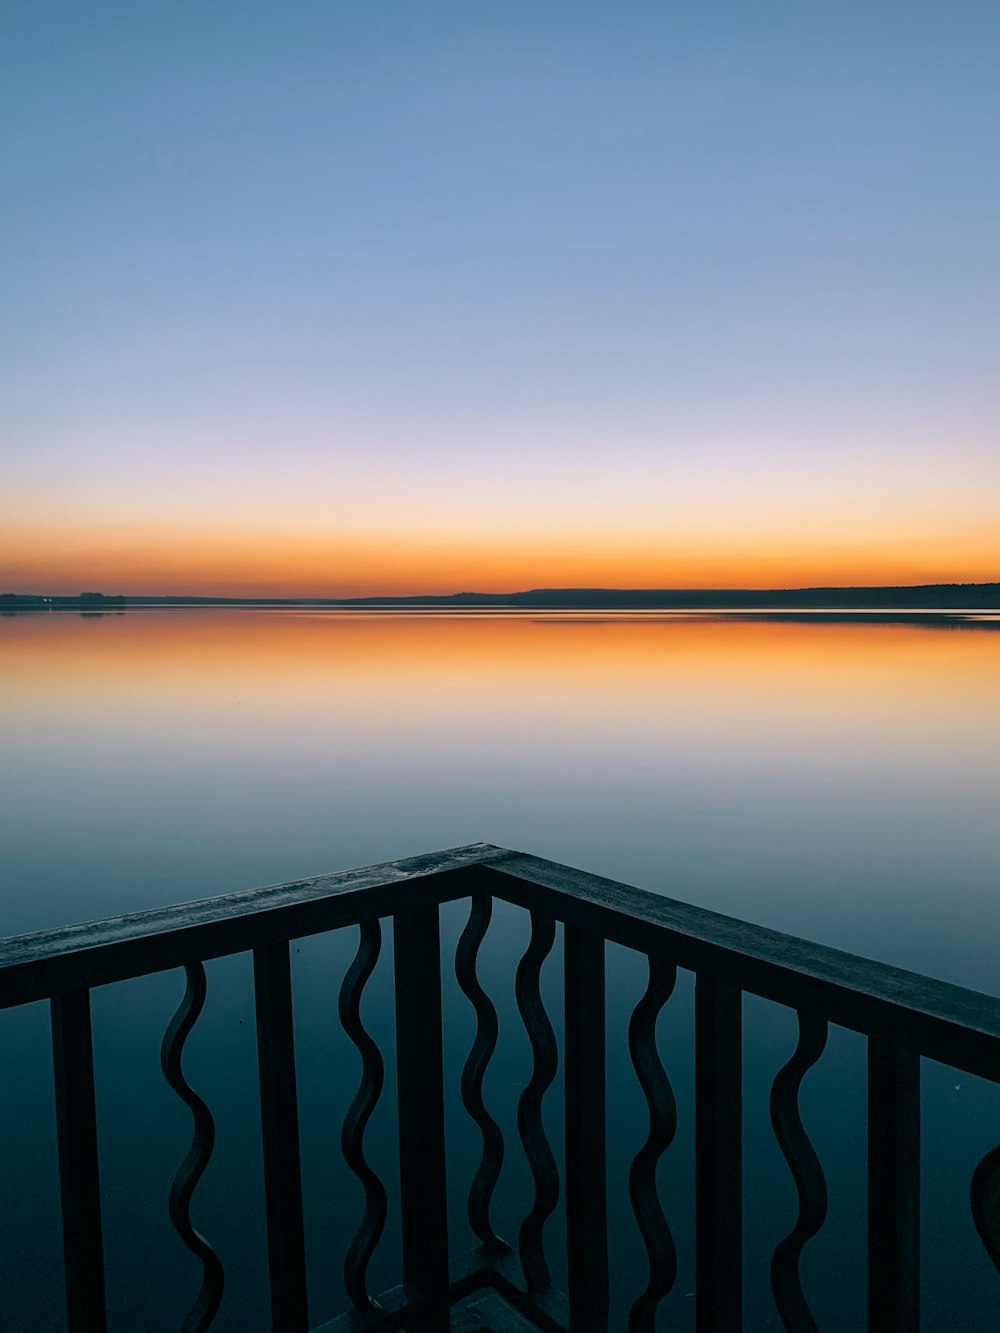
x=272 y=267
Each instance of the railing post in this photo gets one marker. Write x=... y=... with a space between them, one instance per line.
x=79 y=1179
x=586 y=1135
x=718 y=1156
x=279 y=1120
x=893 y=1189
x=420 y=1088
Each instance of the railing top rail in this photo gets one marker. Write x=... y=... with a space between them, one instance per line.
x=956 y=1026
x=952 y=1024
x=93 y=953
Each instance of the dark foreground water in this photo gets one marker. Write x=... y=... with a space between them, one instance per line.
x=832 y=779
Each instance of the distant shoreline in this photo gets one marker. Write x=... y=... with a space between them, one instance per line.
x=954 y=597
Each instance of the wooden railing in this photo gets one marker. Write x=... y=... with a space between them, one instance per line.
x=904 y=1017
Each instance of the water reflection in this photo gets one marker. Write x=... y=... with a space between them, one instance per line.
x=835 y=780
x=832 y=776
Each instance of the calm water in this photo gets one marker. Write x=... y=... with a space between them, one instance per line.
x=835 y=780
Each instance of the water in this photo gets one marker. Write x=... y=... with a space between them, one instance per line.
x=837 y=780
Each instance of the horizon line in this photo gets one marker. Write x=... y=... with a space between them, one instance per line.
x=575 y=589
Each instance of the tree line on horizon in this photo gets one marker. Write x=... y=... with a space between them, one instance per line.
x=928 y=596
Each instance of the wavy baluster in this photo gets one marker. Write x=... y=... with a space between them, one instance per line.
x=466 y=957
x=985 y=1201
x=191 y=1170
x=807 y=1173
x=529 y=1108
x=352 y=1136
x=662 y=1127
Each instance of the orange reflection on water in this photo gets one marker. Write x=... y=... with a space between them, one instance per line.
x=216 y=658
x=735 y=761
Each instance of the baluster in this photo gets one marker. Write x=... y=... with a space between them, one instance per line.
x=191 y=1170
x=893 y=1189
x=718 y=1156
x=807 y=1173
x=662 y=1127
x=488 y=1172
x=420 y=1088
x=352 y=1136
x=279 y=1119
x=586 y=1134
x=545 y=1061
x=79 y=1180
x=984 y=1198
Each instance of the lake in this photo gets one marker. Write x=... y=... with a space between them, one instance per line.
x=834 y=778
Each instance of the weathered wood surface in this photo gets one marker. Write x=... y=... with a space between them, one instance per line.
x=473 y=1276
x=958 y=1027
x=94 y=953
x=489 y=1314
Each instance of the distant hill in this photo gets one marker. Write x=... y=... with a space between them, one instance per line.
x=908 y=597
x=84 y=601
x=930 y=597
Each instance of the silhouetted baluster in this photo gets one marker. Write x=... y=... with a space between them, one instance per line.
x=893 y=1189
x=423 y=1186
x=279 y=1117
x=529 y=1108
x=806 y=1171
x=586 y=1132
x=718 y=1155
x=192 y=1169
x=79 y=1181
x=466 y=956
x=352 y=1137
x=985 y=1201
x=662 y=1127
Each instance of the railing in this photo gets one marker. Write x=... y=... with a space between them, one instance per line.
x=903 y=1016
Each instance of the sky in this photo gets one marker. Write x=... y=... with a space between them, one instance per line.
x=375 y=296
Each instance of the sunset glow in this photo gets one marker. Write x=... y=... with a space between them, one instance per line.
x=658 y=539
x=356 y=300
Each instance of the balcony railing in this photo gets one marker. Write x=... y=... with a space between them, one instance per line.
x=903 y=1016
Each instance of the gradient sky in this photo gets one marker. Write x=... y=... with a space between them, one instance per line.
x=348 y=296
